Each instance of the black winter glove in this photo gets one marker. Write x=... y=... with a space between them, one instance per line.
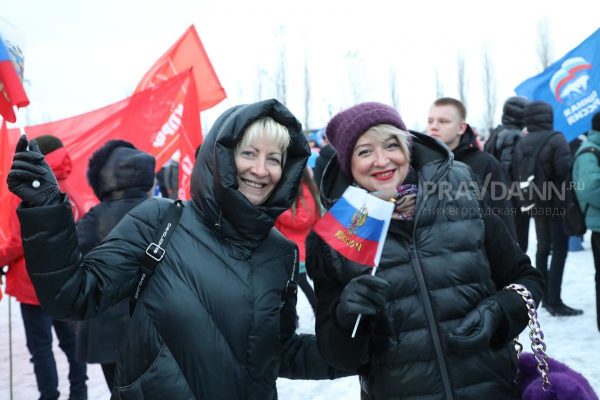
x=30 y=176
x=477 y=329
x=365 y=294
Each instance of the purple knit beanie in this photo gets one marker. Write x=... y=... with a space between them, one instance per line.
x=347 y=126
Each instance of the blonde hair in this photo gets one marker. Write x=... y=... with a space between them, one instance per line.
x=384 y=131
x=265 y=130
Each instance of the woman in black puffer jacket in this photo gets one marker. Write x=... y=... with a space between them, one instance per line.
x=121 y=177
x=436 y=323
x=213 y=322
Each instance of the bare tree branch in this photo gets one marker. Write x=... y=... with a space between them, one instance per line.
x=489 y=90
x=462 y=79
x=439 y=90
x=355 y=74
x=281 y=76
x=394 y=88
x=260 y=72
x=544 y=48
x=306 y=92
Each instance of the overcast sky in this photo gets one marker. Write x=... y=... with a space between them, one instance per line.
x=81 y=55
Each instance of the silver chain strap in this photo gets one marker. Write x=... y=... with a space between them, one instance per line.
x=538 y=347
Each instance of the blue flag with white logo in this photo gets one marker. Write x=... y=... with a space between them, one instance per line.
x=571 y=85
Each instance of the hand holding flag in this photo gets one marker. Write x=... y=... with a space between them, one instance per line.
x=364 y=294
x=356 y=227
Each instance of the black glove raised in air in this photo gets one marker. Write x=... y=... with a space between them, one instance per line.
x=365 y=294
x=30 y=176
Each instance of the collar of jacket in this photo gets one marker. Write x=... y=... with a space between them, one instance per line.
x=424 y=150
x=594 y=137
x=214 y=185
x=128 y=193
x=468 y=144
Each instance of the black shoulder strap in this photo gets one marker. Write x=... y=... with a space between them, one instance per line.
x=590 y=149
x=291 y=287
x=532 y=162
x=156 y=250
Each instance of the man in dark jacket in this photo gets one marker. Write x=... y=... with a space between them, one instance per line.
x=502 y=145
x=551 y=169
x=121 y=177
x=447 y=122
x=215 y=320
x=502 y=142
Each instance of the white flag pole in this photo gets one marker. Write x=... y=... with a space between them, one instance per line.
x=19 y=124
x=360 y=315
x=390 y=206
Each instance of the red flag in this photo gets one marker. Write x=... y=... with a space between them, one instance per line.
x=188 y=52
x=139 y=119
x=12 y=92
x=189 y=140
x=5 y=162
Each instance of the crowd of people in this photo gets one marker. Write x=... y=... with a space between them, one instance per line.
x=216 y=318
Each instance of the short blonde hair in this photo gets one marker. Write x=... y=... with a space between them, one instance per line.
x=384 y=131
x=265 y=130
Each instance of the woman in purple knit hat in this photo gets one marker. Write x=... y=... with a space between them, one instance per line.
x=438 y=318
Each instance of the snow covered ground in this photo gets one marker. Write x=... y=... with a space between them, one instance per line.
x=574 y=341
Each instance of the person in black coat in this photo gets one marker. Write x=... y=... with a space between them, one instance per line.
x=447 y=122
x=121 y=177
x=438 y=318
x=501 y=145
x=325 y=155
x=217 y=318
x=552 y=171
x=502 y=142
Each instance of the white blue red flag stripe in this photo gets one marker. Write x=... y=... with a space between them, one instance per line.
x=11 y=88
x=356 y=226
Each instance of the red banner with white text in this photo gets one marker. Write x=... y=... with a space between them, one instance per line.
x=186 y=54
x=153 y=120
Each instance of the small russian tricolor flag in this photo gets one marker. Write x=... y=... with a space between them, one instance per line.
x=356 y=226
x=11 y=87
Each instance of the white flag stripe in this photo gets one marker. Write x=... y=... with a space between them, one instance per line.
x=377 y=208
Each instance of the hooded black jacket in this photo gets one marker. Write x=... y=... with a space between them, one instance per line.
x=554 y=158
x=211 y=323
x=492 y=180
x=124 y=179
x=501 y=143
x=452 y=260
